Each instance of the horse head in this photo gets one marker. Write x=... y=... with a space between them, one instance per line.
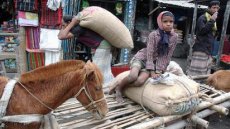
x=93 y=98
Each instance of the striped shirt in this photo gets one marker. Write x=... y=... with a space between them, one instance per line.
x=149 y=54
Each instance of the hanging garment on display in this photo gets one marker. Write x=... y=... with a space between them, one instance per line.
x=49 y=39
x=26 y=5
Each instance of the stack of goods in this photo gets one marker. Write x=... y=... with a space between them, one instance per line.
x=8 y=27
x=28 y=17
x=167 y=95
x=10 y=65
x=180 y=35
x=8 y=43
x=181 y=49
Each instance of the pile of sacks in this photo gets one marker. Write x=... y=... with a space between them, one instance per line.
x=171 y=94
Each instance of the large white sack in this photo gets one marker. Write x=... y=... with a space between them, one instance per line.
x=107 y=25
x=180 y=96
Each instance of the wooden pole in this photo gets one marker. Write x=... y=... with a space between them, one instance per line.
x=207 y=112
x=21 y=52
x=220 y=109
x=200 y=121
x=150 y=27
x=223 y=32
x=161 y=120
x=192 y=34
x=200 y=77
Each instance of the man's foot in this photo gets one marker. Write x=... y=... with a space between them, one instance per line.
x=119 y=97
x=113 y=88
x=111 y=91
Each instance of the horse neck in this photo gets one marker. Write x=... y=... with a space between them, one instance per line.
x=52 y=92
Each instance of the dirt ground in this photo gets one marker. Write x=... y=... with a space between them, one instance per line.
x=217 y=121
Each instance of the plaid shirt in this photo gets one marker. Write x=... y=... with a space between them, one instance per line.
x=50 y=18
x=149 y=54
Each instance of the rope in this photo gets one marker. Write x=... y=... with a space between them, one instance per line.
x=36 y=97
x=141 y=102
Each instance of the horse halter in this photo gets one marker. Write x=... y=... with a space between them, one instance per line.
x=92 y=102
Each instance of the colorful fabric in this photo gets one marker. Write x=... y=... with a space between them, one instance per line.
x=32 y=38
x=27 y=19
x=35 y=60
x=49 y=18
x=200 y=64
x=26 y=5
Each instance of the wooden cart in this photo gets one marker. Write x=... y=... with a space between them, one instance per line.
x=71 y=115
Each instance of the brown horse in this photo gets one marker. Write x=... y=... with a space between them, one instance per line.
x=220 y=80
x=53 y=85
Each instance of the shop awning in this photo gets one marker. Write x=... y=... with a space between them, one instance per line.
x=180 y=3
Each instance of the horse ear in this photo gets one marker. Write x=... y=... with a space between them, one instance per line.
x=89 y=62
x=88 y=67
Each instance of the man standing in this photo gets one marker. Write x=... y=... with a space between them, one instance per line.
x=205 y=36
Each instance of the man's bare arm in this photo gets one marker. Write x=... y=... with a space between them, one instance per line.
x=65 y=32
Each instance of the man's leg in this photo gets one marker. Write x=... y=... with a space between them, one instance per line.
x=133 y=75
x=143 y=76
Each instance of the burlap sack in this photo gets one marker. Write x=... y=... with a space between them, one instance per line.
x=179 y=98
x=107 y=25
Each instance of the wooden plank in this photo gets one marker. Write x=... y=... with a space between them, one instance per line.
x=8 y=34
x=91 y=122
x=7 y=55
x=119 y=116
x=123 y=120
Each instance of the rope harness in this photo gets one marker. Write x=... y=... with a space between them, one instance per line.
x=26 y=119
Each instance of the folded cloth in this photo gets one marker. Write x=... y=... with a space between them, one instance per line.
x=53 y=4
x=27 y=19
x=49 y=39
x=52 y=57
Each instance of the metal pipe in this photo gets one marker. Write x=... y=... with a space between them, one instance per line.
x=192 y=40
x=223 y=32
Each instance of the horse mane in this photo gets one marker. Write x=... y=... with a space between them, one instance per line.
x=52 y=70
x=96 y=71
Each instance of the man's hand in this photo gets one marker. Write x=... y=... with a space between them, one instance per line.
x=214 y=16
x=75 y=20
